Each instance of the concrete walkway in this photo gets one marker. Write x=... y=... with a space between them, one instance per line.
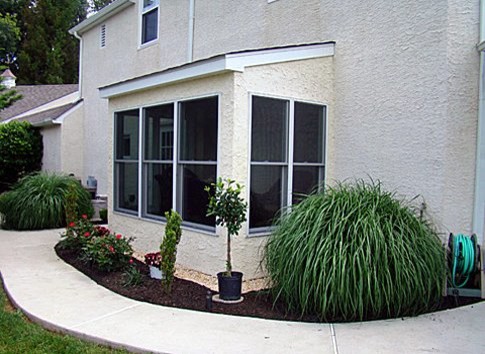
x=60 y=298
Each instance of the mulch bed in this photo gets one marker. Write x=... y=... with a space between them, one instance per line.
x=189 y=295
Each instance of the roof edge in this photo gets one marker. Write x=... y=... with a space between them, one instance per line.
x=230 y=62
x=102 y=15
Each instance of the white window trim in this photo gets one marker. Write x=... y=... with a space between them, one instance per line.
x=266 y=231
x=176 y=205
x=143 y=11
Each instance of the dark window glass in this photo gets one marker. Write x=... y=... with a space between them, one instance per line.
x=269 y=129
x=127 y=135
x=150 y=26
x=127 y=185
x=309 y=132
x=159 y=188
x=267 y=194
x=198 y=129
x=305 y=180
x=194 y=198
x=159 y=133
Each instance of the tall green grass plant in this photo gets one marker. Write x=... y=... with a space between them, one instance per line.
x=355 y=252
x=39 y=201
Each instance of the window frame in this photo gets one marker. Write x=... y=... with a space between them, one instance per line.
x=287 y=193
x=176 y=182
x=145 y=10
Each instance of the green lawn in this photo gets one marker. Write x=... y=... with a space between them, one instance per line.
x=18 y=335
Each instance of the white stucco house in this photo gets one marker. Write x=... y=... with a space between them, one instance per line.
x=279 y=95
x=57 y=111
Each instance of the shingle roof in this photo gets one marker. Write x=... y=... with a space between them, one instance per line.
x=34 y=96
x=8 y=73
x=49 y=115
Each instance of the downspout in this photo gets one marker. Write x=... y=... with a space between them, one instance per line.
x=190 y=43
x=479 y=203
x=80 y=62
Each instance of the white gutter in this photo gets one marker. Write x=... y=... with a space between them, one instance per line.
x=479 y=204
x=80 y=70
x=190 y=44
x=235 y=62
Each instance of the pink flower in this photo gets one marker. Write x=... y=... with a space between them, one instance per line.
x=118 y=236
x=72 y=224
x=131 y=261
x=87 y=234
x=84 y=216
x=111 y=249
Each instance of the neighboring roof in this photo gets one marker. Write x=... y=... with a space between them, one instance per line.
x=34 y=96
x=102 y=15
x=49 y=116
x=234 y=61
x=8 y=73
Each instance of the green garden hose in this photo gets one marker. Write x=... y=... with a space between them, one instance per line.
x=463 y=261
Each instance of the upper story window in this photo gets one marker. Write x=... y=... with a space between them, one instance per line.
x=149 y=21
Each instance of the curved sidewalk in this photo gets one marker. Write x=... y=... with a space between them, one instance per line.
x=60 y=298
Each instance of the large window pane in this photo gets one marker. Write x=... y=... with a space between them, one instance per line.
x=194 y=198
x=305 y=180
x=309 y=132
x=159 y=133
x=127 y=185
x=150 y=26
x=268 y=194
x=127 y=135
x=198 y=129
x=159 y=188
x=269 y=129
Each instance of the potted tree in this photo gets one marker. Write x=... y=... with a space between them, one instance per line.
x=229 y=209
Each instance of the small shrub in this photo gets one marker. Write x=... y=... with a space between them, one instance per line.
x=132 y=276
x=71 y=204
x=108 y=253
x=168 y=248
x=353 y=252
x=78 y=233
x=21 y=152
x=103 y=215
x=39 y=202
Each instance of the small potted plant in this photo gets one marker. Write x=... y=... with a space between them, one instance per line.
x=153 y=260
x=226 y=204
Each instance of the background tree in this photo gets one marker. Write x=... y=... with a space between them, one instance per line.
x=9 y=39
x=48 y=53
x=97 y=5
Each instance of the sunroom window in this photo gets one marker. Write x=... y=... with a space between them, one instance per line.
x=287 y=155
x=179 y=139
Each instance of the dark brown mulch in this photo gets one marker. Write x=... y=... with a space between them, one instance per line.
x=189 y=295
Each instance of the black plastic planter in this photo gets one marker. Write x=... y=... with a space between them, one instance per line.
x=230 y=287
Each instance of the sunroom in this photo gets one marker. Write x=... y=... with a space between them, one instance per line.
x=261 y=117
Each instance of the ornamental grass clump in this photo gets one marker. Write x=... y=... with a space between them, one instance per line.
x=39 y=202
x=355 y=252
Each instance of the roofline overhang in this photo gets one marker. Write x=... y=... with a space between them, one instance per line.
x=232 y=62
x=100 y=16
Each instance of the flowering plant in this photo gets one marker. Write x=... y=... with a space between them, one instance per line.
x=78 y=233
x=153 y=259
x=109 y=252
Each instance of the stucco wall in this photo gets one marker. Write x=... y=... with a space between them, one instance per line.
x=309 y=80
x=72 y=142
x=405 y=83
x=51 y=159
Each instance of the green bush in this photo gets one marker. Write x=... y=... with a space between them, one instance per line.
x=355 y=252
x=21 y=152
x=168 y=248
x=38 y=202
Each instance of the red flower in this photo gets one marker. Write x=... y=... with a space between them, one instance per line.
x=111 y=249
x=72 y=224
x=118 y=236
x=84 y=216
x=87 y=234
x=131 y=261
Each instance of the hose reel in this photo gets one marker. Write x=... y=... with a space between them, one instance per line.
x=463 y=259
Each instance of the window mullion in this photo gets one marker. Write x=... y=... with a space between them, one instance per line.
x=141 y=200
x=175 y=154
x=290 y=140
